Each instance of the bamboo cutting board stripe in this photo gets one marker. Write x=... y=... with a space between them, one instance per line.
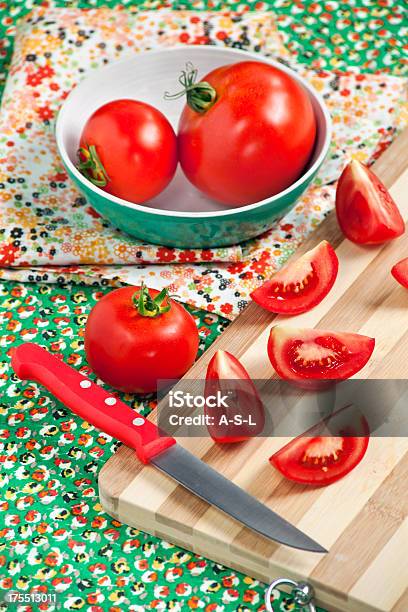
x=362 y=519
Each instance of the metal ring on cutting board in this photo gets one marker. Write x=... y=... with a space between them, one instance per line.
x=302 y=593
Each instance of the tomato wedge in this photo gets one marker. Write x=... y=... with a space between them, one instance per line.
x=366 y=212
x=400 y=272
x=314 y=458
x=302 y=284
x=245 y=417
x=315 y=354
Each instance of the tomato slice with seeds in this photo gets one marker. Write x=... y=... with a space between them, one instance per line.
x=315 y=458
x=366 y=212
x=302 y=284
x=315 y=354
x=400 y=272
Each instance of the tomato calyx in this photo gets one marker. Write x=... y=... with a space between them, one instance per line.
x=147 y=306
x=200 y=96
x=91 y=166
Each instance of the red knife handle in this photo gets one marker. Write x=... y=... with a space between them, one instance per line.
x=89 y=401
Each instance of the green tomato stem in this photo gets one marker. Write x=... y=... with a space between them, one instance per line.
x=91 y=166
x=148 y=306
x=200 y=96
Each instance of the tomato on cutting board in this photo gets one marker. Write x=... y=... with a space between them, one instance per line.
x=302 y=284
x=319 y=458
x=316 y=354
x=400 y=272
x=227 y=375
x=136 y=336
x=366 y=212
x=129 y=149
x=246 y=133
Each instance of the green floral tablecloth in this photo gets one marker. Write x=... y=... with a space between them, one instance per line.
x=368 y=34
x=53 y=533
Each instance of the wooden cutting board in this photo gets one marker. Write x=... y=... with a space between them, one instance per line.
x=363 y=519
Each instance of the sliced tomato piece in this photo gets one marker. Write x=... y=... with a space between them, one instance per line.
x=245 y=416
x=366 y=212
x=302 y=284
x=400 y=272
x=315 y=354
x=327 y=451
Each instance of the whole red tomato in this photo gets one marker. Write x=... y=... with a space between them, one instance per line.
x=135 y=337
x=129 y=149
x=246 y=132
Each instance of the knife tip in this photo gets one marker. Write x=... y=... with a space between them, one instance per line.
x=319 y=549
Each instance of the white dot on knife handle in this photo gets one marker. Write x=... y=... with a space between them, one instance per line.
x=85 y=384
x=110 y=401
x=138 y=421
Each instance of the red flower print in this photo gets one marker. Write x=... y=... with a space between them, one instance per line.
x=258 y=266
x=17 y=291
x=207 y=255
x=165 y=254
x=59 y=177
x=201 y=40
x=91 y=211
x=187 y=256
x=345 y=92
x=287 y=227
x=45 y=72
x=264 y=255
x=226 y=308
x=249 y=596
x=45 y=112
x=8 y=253
x=184 y=37
x=33 y=79
x=235 y=268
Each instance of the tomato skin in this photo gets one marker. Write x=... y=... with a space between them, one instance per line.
x=287 y=292
x=366 y=212
x=319 y=460
x=315 y=354
x=137 y=148
x=132 y=352
x=225 y=373
x=254 y=141
x=400 y=272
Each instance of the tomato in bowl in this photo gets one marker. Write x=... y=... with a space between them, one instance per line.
x=181 y=215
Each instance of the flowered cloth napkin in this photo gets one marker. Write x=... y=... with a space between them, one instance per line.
x=49 y=232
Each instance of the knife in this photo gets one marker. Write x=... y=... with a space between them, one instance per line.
x=106 y=412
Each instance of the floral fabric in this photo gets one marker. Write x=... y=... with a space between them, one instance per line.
x=46 y=222
x=366 y=35
x=54 y=535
